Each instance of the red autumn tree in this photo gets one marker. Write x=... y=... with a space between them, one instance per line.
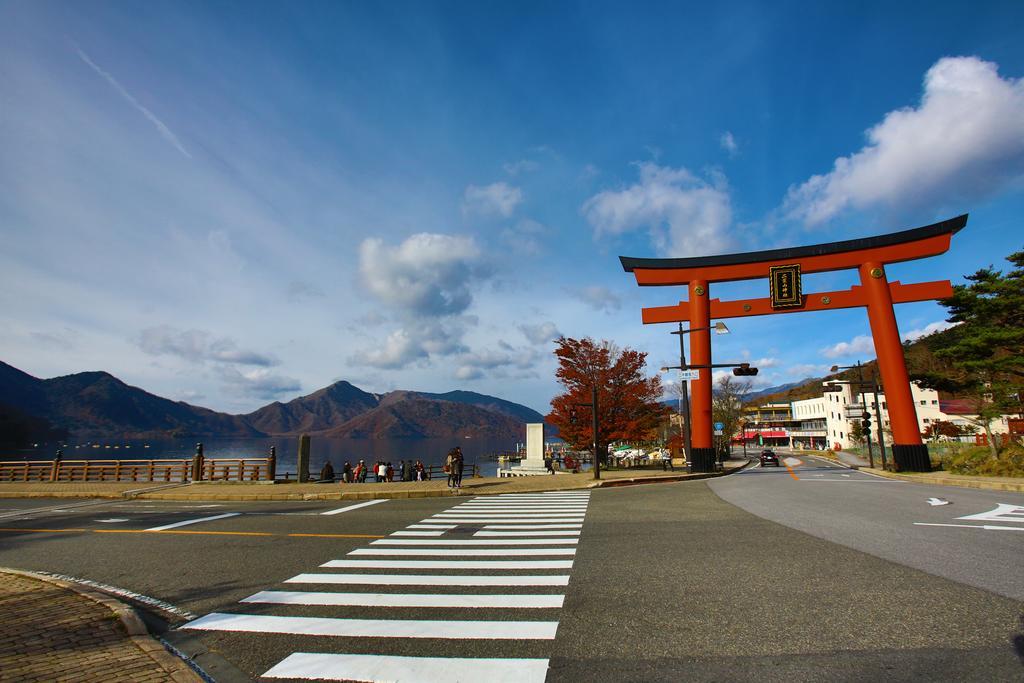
x=629 y=403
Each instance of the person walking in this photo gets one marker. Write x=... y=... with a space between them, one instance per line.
x=459 y=463
x=390 y=475
x=346 y=473
x=420 y=474
x=361 y=472
x=449 y=468
x=666 y=461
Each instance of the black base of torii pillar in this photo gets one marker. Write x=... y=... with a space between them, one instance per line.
x=702 y=460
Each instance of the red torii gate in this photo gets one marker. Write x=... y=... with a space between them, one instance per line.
x=784 y=268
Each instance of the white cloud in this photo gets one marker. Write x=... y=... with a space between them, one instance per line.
x=198 y=346
x=597 y=297
x=683 y=214
x=728 y=143
x=861 y=344
x=525 y=237
x=160 y=125
x=427 y=274
x=258 y=383
x=963 y=142
x=398 y=350
x=498 y=363
x=498 y=199
x=522 y=166
x=541 y=333
x=930 y=328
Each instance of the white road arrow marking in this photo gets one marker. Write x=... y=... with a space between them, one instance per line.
x=1004 y=513
x=113 y=520
x=986 y=527
x=937 y=501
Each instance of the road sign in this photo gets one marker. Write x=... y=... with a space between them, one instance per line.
x=689 y=374
x=718 y=432
x=719 y=426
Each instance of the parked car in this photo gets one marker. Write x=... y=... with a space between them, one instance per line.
x=768 y=457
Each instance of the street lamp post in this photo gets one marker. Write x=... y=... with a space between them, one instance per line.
x=878 y=412
x=863 y=403
x=684 y=390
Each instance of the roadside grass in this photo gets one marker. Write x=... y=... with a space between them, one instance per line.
x=978 y=460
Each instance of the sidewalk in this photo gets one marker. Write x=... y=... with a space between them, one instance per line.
x=937 y=478
x=53 y=632
x=262 y=491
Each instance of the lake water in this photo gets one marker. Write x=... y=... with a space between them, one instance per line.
x=338 y=451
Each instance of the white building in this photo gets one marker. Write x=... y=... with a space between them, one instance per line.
x=840 y=409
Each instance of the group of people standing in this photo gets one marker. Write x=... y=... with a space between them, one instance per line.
x=381 y=472
x=453 y=464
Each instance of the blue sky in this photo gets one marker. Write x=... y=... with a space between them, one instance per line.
x=233 y=203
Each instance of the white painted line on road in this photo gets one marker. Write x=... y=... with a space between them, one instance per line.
x=527 y=533
x=431 y=526
x=418 y=533
x=463 y=552
x=1004 y=512
x=194 y=521
x=354 y=507
x=854 y=481
x=431 y=580
x=491 y=520
x=407 y=599
x=376 y=628
x=539 y=516
x=447 y=564
x=516 y=540
x=534 y=526
x=937 y=501
x=986 y=527
x=379 y=668
x=539 y=508
x=112 y=520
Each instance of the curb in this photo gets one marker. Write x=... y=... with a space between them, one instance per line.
x=978 y=483
x=177 y=669
x=611 y=483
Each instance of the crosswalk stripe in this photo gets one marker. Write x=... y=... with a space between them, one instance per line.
x=529 y=527
x=566 y=532
x=431 y=526
x=510 y=513
x=418 y=533
x=463 y=552
x=432 y=580
x=492 y=520
x=345 y=667
x=447 y=564
x=487 y=541
x=406 y=599
x=376 y=628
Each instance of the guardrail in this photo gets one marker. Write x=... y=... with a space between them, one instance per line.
x=227 y=469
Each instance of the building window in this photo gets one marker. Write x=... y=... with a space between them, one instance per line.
x=926 y=420
x=840 y=435
x=934 y=402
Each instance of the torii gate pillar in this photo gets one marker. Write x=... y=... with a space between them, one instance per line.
x=702 y=452
x=784 y=268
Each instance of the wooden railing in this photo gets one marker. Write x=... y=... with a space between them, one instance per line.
x=135 y=470
x=224 y=469
x=121 y=470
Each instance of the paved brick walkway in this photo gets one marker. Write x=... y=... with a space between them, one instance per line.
x=51 y=633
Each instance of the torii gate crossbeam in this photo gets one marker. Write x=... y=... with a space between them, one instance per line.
x=869 y=256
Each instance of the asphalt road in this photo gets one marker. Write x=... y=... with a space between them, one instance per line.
x=892 y=519
x=668 y=582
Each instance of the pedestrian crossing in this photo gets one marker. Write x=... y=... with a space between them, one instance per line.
x=492 y=570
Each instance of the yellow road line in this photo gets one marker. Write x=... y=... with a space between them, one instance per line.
x=792 y=473
x=188 y=533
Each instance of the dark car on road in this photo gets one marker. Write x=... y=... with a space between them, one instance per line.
x=768 y=457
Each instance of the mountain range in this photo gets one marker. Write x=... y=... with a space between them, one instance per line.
x=98 y=405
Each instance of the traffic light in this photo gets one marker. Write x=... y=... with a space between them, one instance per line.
x=573 y=418
x=744 y=370
x=865 y=422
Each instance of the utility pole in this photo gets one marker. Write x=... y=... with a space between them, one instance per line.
x=864 y=407
x=684 y=396
x=597 y=440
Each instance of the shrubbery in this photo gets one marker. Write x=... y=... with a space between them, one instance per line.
x=979 y=460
